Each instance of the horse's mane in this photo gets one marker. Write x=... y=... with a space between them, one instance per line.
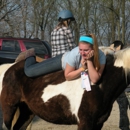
x=122 y=57
x=123 y=60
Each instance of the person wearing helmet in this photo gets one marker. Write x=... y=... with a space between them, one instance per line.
x=62 y=39
x=85 y=56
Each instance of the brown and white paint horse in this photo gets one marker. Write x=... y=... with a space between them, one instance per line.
x=56 y=100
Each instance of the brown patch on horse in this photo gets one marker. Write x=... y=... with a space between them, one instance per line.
x=17 y=93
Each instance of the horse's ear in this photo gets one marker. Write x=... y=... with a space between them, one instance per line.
x=118 y=48
x=112 y=46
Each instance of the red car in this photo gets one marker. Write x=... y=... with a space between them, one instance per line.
x=10 y=48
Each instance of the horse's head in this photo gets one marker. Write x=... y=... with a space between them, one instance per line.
x=107 y=50
x=110 y=49
x=118 y=44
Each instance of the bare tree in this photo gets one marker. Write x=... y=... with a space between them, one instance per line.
x=123 y=20
x=42 y=10
x=7 y=8
x=109 y=20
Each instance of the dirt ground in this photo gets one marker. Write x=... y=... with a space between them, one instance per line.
x=111 y=124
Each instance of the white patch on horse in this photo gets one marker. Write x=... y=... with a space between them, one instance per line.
x=3 y=69
x=4 y=127
x=71 y=89
x=123 y=60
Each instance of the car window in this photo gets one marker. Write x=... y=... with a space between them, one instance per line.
x=10 y=45
x=39 y=47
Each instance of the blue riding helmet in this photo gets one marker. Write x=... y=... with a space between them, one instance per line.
x=86 y=39
x=66 y=14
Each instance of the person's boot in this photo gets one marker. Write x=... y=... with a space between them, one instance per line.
x=25 y=54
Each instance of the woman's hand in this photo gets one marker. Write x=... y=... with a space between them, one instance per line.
x=84 y=63
x=86 y=57
x=90 y=55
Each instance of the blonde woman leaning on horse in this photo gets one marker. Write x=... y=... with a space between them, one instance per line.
x=85 y=56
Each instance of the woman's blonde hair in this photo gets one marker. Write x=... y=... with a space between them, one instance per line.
x=60 y=24
x=96 y=52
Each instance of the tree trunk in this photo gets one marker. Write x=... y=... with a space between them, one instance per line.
x=123 y=21
x=112 y=21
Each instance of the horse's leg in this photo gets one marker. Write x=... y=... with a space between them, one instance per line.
x=16 y=116
x=14 y=120
x=4 y=127
x=25 y=118
x=8 y=114
x=98 y=127
x=89 y=125
x=9 y=104
x=85 y=125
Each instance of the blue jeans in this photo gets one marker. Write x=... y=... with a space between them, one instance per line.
x=33 y=69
